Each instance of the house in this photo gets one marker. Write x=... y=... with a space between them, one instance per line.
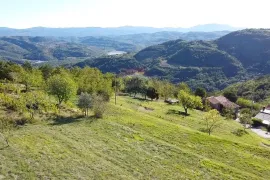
x=171 y=101
x=264 y=115
x=221 y=102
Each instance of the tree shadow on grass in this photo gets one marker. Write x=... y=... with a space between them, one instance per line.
x=173 y=111
x=142 y=99
x=61 y=120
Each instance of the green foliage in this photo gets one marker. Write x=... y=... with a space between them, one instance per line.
x=245 y=103
x=189 y=101
x=200 y=92
x=62 y=87
x=8 y=69
x=31 y=78
x=245 y=119
x=46 y=70
x=99 y=106
x=183 y=86
x=135 y=85
x=212 y=120
x=256 y=122
x=231 y=96
x=257 y=90
x=92 y=81
x=152 y=93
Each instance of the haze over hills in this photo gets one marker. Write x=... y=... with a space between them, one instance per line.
x=17 y=48
x=43 y=49
x=114 y=31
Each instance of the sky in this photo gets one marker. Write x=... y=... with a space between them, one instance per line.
x=114 y=13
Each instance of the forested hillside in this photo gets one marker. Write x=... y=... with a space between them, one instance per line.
x=257 y=89
x=214 y=65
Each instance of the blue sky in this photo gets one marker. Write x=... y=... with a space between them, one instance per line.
x=114 y=13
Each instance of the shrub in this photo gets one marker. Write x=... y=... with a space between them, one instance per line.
x=85 y=102
x=245 y=103
x=240 y=132
x=99 y=106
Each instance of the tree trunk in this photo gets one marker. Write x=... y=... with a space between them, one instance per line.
x=186 y=111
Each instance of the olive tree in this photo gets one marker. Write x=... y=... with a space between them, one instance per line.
x=85 y=102
x=99 y=106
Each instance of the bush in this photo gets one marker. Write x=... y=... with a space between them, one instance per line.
x=245 y=103
x=239 y=132
x=256 y=122
x=99 y=106
x=85 y=102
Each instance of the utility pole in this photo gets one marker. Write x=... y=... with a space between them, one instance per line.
x=115 y=89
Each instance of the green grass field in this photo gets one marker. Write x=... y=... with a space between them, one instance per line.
x=131 y=142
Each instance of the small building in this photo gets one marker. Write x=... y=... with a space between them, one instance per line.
x=172 y=101
x=264 y=115
x=221 y=102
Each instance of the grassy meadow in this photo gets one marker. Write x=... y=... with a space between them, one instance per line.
x=134 y=140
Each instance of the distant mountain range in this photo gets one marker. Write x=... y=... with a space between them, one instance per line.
x=18 y=48
x=97 y=31
x=237 y=56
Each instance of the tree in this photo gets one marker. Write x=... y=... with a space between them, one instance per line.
x=85 y=102
x=46 y=70
x=27 y=66
x=212 y=120
x=99 y=106
x=62 y=87
x=92 y=81
x=135 y=85
x=152 y=93
x=189 y=101
x=183 y=86
x=31 y=78
x=246 y=120
x=231 y=96
x=200 y=92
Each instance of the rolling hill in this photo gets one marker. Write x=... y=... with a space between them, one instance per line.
x=238 y=56
x=43 y=49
